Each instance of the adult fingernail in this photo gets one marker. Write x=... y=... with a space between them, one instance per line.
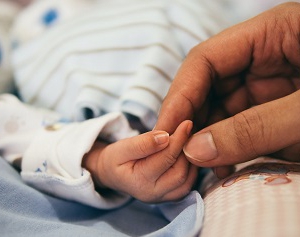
x=201 y=147
x=161 y=137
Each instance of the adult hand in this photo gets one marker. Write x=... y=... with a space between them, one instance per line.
x=243 y=83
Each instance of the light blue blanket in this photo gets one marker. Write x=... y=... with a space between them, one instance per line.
x=25 y=211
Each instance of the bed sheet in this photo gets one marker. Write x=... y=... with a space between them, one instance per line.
x=25 y=211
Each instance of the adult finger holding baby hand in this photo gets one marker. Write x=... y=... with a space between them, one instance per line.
x=244 y=83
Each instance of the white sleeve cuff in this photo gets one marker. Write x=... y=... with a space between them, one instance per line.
x=19 y=123
x=52 y=163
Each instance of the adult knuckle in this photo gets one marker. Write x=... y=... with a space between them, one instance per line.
x=249 y=130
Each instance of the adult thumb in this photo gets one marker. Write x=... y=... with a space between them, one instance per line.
x=260 y=130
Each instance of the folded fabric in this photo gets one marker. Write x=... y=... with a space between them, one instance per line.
x=19 y=123
x=106 y=56
x=51 y=150
x=8 y=11
x=28 y=212
x=237 y=11
x=52 y=162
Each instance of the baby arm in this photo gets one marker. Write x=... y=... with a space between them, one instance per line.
x=150 y=167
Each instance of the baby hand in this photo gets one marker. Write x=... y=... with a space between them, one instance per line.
x=150 y=167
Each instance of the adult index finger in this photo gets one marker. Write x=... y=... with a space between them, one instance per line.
x=226 y=54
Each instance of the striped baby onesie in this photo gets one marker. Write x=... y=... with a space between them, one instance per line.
x=103 y=56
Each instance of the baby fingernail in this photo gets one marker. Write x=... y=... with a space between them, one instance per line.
x=189 y=128
x=161 y=137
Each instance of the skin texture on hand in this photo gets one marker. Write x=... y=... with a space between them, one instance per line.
x=240 y=88
x=150 y=167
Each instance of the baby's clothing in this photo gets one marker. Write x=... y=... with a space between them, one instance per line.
x=8 y=11
x=97 y=61
x=105 y=57
x=52 y=149
x=85 y=59
x=240 y=10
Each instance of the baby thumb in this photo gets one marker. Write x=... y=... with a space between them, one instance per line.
x=257 y=131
